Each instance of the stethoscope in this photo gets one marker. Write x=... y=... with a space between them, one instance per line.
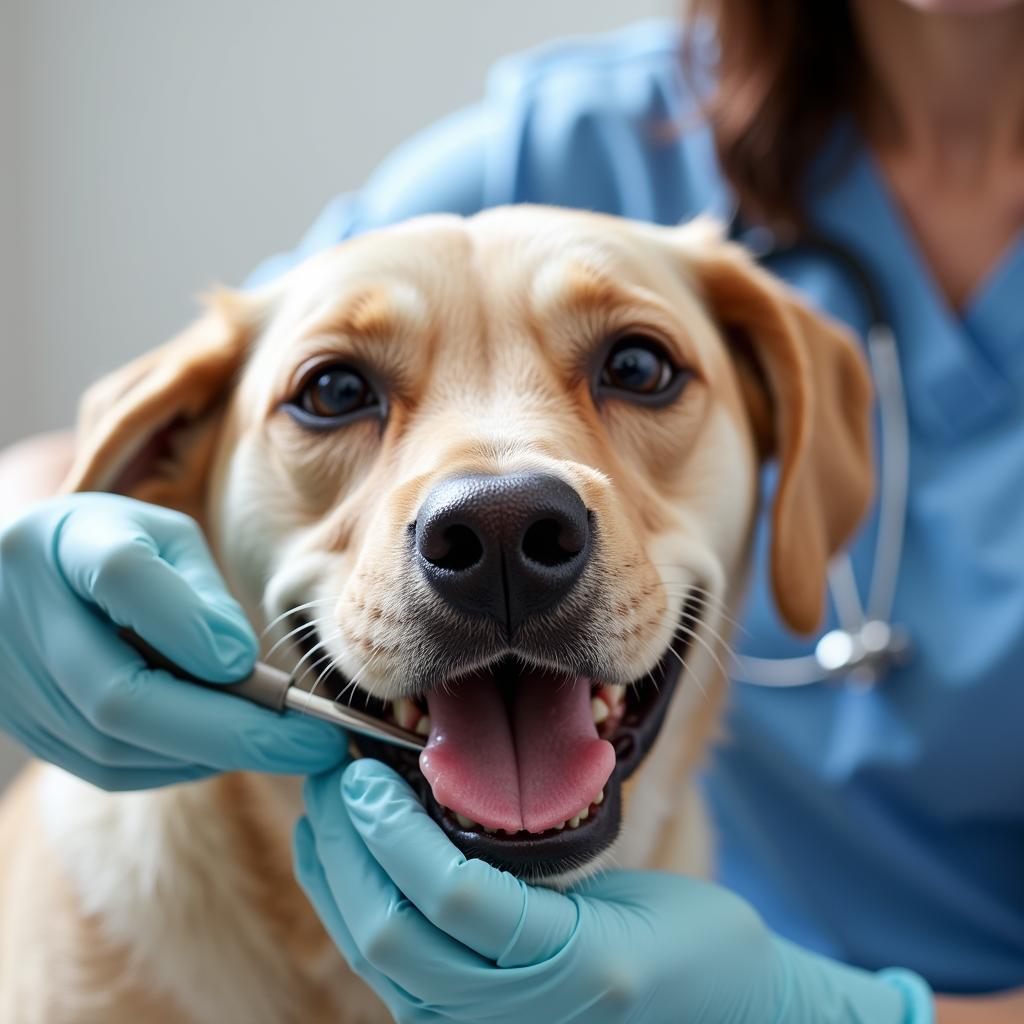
x=866 y=644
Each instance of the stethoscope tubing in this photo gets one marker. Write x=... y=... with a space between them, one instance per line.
x=866 y=643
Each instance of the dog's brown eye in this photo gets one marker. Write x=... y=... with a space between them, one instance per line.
x=640 y=367
x=331 y=396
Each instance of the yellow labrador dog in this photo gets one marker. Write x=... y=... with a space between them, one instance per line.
x=498 y=475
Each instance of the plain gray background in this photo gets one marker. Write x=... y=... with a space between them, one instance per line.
x=149 y=148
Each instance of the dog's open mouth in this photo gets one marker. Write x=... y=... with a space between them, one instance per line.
x=523 y=767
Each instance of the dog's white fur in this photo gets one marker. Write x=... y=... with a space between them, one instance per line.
x=162 y=882
x=177 y=905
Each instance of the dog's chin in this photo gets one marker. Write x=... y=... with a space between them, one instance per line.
x=556 y=853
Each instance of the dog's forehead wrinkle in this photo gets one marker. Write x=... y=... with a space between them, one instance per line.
x=575 y=279
x=371 y=286
x=548 y=254
x=371 y=308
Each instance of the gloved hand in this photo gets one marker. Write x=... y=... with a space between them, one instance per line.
x=73 y=693
x=443 y=938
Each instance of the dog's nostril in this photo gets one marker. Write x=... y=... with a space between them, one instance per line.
x=508 y=547
x=458 y=548
x=551 y=542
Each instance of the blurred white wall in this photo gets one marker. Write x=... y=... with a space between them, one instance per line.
x=148 y=149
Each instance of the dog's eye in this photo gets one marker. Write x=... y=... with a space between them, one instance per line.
x=639 y=366
x=332 y=395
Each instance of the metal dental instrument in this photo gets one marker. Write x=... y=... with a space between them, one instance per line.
x=277 y=691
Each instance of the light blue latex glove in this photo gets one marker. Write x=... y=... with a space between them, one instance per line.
x=443 y=938
x=74 y=568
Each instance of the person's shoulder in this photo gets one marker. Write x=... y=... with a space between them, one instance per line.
x=608 y=122
x=611 y=69
x=644 y=47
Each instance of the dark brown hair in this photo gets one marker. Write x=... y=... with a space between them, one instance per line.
x=785 y=70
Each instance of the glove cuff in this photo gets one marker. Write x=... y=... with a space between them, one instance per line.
x=917 y=995
x=816 y=988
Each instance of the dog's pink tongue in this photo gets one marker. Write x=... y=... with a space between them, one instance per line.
x=530 y=766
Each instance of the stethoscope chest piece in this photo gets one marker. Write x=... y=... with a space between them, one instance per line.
x=863 y=656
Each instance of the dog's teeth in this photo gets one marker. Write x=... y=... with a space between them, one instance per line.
x=559 y=826
x=574 y=822
x=614 y=694
x=598 y=799
x=490 y=831
x=464 y=821
x=584 y=814
x=406 y=713
x=598 y=710
x=423 y=726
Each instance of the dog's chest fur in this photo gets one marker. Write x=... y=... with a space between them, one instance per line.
x=191 y=908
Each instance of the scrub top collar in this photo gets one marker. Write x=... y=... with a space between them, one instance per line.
x=955 y=367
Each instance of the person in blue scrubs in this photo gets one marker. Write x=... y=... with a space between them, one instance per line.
x=882 y=827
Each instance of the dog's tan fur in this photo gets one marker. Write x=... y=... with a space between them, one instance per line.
x=179 y=905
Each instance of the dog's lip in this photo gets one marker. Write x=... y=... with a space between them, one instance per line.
x=555 y=852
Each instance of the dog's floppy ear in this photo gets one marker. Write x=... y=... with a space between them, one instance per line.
x=148 y=429
x=808 y=391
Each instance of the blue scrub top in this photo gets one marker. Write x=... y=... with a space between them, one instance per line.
x=881 y=827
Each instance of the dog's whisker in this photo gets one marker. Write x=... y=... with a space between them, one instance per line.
x=694 y=676
x=681 y=569
x=312 y=667
x=685 y=629
x=712 y=600
x=690 y=623
x=304 y=627
x=318 y=646
x=612 y=863
x=350 y=686
x=294 y=611
x=311 y=652
x=330 y=667
x=704 y=597
x=687 y=584
x=717 y=636
x=701 y=596
x=653 y=678
x=300 y=677
x=695 y=635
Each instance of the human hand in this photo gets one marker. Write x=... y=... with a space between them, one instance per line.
x=443 y=938
x=1000 y=1008
x=74 y=568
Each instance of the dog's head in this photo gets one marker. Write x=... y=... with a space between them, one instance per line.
x=497 y=477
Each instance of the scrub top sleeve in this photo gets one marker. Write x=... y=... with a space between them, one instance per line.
x=439 y=170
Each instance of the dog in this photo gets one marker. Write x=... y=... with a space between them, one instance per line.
x=494 y=479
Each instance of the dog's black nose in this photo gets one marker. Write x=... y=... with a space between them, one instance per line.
x=504 y=546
